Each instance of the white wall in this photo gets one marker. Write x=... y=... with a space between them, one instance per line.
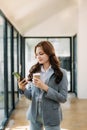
x=82 y=50
x=63 y=23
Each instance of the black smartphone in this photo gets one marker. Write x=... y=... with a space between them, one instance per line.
x=17 y=75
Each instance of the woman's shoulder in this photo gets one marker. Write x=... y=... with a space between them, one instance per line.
x=64 y=71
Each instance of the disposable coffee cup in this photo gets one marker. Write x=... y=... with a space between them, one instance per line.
x=36 y=75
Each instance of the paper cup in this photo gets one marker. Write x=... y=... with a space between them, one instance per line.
x=36 y=75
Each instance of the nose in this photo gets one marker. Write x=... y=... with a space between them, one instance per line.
x=38 y=56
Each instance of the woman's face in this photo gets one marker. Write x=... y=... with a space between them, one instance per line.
x=41 y=56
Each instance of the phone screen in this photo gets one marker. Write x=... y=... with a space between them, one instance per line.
x=17 y=75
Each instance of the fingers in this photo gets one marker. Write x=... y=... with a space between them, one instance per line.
x=22 y=83
x=35 y=80
x=18 y=79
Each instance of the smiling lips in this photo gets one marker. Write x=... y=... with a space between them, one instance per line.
x=40 y=60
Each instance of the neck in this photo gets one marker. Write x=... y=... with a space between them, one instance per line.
x=46 y=66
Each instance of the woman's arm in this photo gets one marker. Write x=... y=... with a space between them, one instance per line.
x=25 y=88
x=61 y=94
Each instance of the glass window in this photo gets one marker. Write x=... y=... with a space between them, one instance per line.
x=15 y=66
x=61 y=45
x=8 y=55
x=2 y=113
x=9 y=68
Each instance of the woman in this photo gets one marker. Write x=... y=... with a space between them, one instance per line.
x=47 y=92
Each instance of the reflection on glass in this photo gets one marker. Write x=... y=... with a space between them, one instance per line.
x=2 y=114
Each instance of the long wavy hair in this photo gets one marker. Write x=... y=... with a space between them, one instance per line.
x=54 y=61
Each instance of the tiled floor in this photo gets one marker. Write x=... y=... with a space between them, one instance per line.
x=74 y=113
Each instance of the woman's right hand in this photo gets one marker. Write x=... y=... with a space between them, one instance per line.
x=22 y=84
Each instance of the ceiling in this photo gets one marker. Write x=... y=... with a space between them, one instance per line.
x=27 y=14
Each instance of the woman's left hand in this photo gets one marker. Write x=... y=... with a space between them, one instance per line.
x=38 y=83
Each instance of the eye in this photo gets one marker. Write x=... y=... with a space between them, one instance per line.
x=40 y=54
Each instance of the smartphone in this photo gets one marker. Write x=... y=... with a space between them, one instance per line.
x=17 y=75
